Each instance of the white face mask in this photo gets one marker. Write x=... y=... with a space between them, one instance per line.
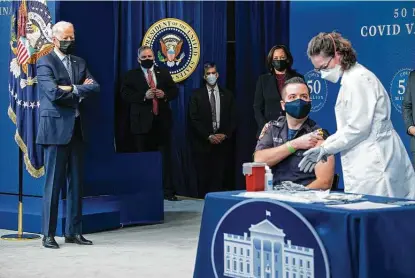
x=211 y=79
x=332 y=75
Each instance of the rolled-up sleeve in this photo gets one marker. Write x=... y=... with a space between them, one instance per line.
x=326 y=133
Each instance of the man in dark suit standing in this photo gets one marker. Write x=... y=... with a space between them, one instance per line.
x=211 y=125
x=149 y=89
x=64 y=81
x=408 y=107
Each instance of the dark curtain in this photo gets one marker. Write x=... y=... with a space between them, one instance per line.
x=131 y=20
x=258 y=26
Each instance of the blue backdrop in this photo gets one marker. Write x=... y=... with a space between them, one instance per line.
x=383 y=35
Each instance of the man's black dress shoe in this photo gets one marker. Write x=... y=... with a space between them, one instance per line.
x=78 y=239
x=170 y=198
x=49 y=242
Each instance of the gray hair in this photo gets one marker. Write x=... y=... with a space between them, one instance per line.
x=59 y=27
x=326 y=44
x=142 y=48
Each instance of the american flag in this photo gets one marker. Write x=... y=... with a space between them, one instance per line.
x=23 y=54
x=23 y=87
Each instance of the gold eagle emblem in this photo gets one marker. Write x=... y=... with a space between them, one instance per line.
x=171 y=46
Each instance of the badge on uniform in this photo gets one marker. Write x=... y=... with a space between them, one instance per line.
x=277 y=140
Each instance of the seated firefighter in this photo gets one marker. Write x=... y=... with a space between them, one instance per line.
x=282 y=143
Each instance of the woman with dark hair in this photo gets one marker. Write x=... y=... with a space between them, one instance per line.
x=374 y=159
x=267 y=101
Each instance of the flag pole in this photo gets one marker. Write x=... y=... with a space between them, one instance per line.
x=20 y=235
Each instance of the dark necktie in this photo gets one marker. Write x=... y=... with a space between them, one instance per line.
x=152 y=85
x=212 y=101
x=67 y=64
x=68 y=67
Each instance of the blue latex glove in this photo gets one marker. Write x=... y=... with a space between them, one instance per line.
x=311 y=158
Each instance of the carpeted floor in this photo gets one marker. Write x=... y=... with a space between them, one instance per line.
x=164 y=250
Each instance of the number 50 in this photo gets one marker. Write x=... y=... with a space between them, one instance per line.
x=314 y=86
x=403 y=13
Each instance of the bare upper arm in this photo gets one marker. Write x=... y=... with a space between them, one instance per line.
x=325 y=170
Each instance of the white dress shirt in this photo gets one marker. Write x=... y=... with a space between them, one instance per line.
x=217 y=99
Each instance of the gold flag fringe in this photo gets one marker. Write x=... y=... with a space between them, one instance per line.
x=36 y=173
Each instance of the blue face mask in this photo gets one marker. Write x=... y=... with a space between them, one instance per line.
x=298 y=108
x=211 y=79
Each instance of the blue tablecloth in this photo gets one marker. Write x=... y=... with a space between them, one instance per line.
x=359 y=243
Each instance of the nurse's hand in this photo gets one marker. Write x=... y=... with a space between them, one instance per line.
x=306 y=141
x=311 y=158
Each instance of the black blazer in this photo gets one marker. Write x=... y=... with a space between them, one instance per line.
x=200 y=117
x=267 y=101
x=133 y=91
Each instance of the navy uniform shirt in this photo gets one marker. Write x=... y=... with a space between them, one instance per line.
x=274 y=134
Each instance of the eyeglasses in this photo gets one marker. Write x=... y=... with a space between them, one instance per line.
x=325 y=66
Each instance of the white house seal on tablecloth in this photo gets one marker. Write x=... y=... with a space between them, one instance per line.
x=271 y=240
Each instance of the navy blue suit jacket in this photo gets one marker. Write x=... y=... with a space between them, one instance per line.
x=58 y=107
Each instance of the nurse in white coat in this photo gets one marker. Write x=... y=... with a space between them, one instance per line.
x=373 y=157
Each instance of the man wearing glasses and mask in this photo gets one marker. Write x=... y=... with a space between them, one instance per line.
x=149 y=89
x=211 y=125
x=282 y=143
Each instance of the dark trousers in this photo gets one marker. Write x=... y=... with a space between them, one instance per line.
x=210 y=169
x=158 y=139
x=63 y=163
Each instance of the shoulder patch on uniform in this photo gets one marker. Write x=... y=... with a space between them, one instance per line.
x=264 y=129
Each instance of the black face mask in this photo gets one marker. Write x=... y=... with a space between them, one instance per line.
x=298 y=108
x=280 y=65
x=67 y=47
x=147 y=63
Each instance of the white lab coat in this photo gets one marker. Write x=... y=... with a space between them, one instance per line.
x=374 y=159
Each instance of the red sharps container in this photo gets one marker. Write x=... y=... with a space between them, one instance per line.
x=254 y=176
